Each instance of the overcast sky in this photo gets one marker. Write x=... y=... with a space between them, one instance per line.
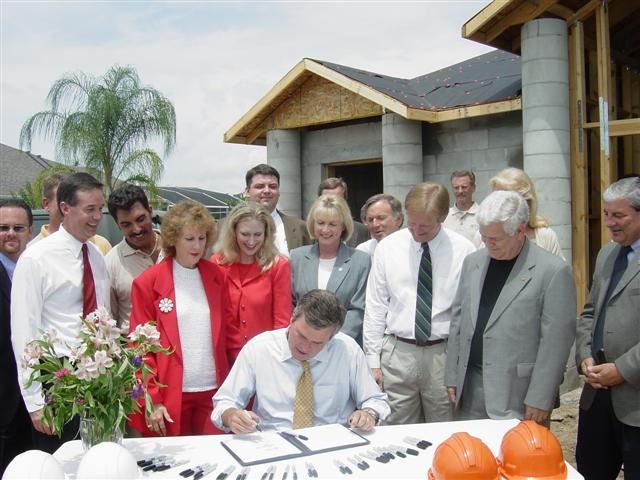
x=215 y=60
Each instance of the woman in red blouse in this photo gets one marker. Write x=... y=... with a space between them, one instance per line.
x=258 y=279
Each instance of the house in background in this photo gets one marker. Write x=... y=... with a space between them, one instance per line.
x=18 y=168
x=561 y=100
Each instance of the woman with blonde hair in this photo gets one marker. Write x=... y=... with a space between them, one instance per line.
x=258 y=278
x=538 y=230
x=183 y=295
x=330 y=264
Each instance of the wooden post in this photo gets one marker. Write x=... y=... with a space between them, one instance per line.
x=579 y=172
x=605 y=110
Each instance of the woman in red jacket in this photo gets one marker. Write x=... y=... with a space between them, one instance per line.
x=183 y=294
x=258 y=279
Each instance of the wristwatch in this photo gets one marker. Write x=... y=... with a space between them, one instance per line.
x=373 y=414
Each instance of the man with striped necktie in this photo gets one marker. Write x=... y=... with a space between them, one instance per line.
x=413 y=278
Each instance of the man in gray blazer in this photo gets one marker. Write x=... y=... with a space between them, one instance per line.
x=608 y=345
x=513 y=321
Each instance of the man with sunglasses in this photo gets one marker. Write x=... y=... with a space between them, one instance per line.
x=16 y=222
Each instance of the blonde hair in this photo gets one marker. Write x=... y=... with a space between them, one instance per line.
x=187 y=214
x=331 y=205
x=516 y=180
x=428 y=197
x=267 y=255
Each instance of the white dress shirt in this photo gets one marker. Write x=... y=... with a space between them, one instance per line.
x=368 y=247
x=47 y=295
x=391 y=288
x=342 y=381
x=280 y=237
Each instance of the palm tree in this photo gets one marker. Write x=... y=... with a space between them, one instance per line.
x=105 y=125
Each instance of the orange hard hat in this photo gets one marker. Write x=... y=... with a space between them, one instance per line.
x=462 y=457
x=530 y=451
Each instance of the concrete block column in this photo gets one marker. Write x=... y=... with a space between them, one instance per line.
x=283 y=153
x=545 y=121
x=401 y=154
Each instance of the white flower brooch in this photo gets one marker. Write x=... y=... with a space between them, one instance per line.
x=165 y=305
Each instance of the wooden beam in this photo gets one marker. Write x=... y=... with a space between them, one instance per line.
x=619 y=128
x=365 y=91
x=604 y=80
x=526 y=11
x=478 y=110
x=586 y=11
x=579 y=167
x=472 y=27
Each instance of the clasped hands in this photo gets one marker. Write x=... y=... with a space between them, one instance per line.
x=600 y=376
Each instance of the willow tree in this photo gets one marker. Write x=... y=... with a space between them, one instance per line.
x=107 y=125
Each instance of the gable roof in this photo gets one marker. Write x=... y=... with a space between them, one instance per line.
x=489 y=83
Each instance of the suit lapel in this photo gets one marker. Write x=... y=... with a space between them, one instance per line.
x=519 y=277
x=340 y=269
x=632 y=270
x=607 y=270
x=310 y=268
x=164 y=287
x=5 y=284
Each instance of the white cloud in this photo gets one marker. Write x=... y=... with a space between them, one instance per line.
x=215 y=60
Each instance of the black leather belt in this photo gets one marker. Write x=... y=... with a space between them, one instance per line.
x=428 y=343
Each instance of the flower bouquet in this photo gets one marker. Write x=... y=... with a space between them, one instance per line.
x=103 y=377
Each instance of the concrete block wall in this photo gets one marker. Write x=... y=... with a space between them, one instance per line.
x=484 y=145
x=346 y=143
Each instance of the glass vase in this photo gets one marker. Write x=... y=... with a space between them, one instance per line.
x=91 y=434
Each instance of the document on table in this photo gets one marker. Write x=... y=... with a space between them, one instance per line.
x=256 y=448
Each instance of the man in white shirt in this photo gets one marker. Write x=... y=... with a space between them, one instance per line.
x=263 y=187
x=407 y=361
x=47 y=291
x=462 y=215
x=138 y=250
x=382 y=214
x=49 y=203
x=270 y=366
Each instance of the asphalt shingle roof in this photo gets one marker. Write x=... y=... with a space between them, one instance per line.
x=491 y=77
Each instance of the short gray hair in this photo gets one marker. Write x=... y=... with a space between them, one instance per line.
x=625 y=188
x=394 y=203
x=321 y=309
x=509 y=208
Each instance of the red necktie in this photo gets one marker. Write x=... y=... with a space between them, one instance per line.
x=89 y=303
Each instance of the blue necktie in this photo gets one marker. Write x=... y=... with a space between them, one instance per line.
x=424 y=297
x=619 y=267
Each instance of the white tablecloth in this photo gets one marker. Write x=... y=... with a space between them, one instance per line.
x=202 y=449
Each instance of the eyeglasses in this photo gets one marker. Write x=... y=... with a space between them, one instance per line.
x=15 y=228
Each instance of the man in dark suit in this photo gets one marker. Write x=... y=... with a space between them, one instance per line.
x=263 y=187
x=513 y=321
x=337 y=186
x=608 y=345
x=16 y=228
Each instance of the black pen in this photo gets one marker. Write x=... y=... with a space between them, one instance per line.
x=295 y=474
x=286 y=472
x=225 y=473
x=273 y=472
